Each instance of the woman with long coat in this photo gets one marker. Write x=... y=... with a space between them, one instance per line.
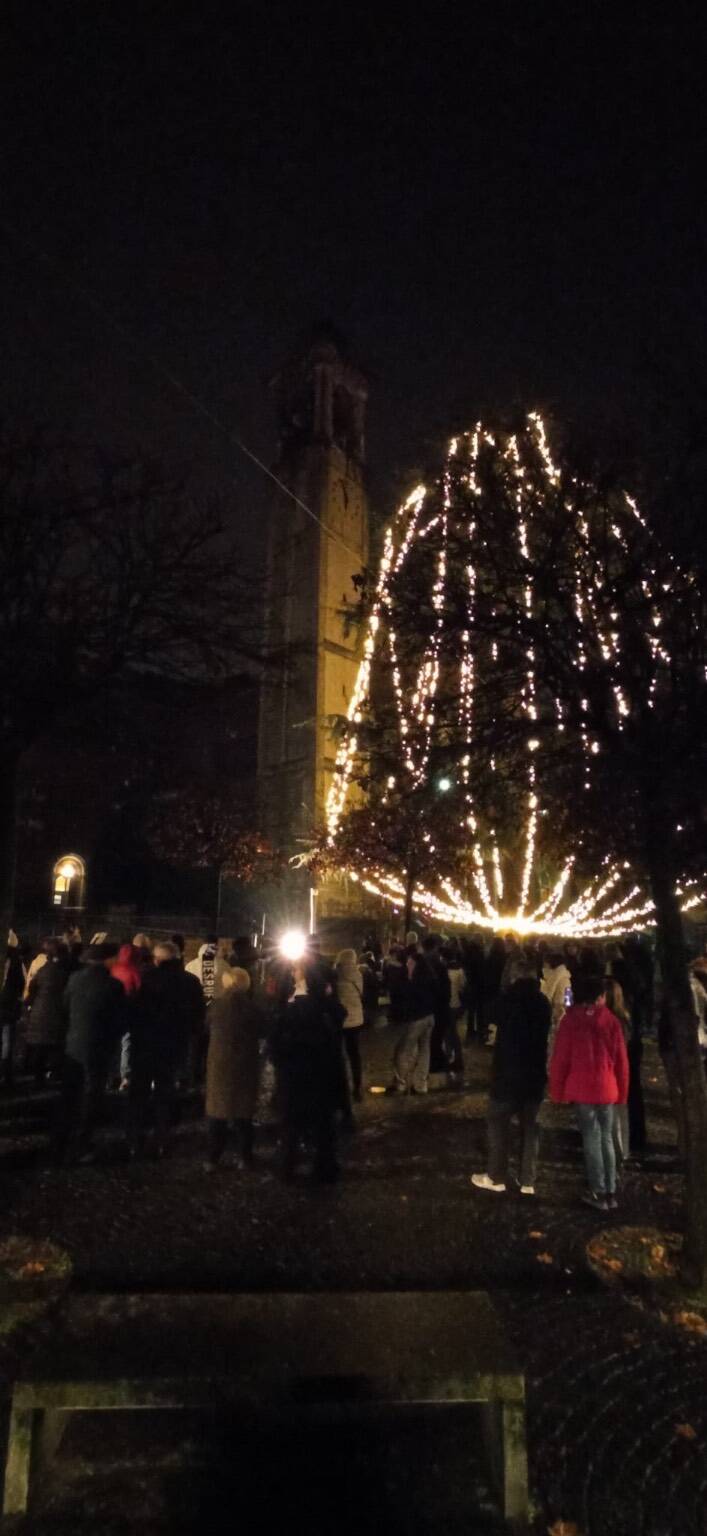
x=232 y=1067
x=45 y=1022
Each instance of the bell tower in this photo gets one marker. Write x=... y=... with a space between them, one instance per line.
x=318 y=542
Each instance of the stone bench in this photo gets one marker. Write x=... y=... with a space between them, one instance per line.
x=328 y=1355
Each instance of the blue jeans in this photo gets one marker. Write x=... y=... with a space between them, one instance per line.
x=596 y=1123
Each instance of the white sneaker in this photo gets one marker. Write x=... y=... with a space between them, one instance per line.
x=527 y=1189
x=482 y=1181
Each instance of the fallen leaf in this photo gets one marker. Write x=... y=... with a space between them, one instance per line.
x=564 y=1528
x=687 y=1431
x=614 y=1264
x=658 y=1253
x=535 y=1235
x=544 y=1258
x=660 y=1189
x=693 y=1321
x=33 y=1267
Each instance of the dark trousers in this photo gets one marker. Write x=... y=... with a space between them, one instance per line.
x=151 y=1097
x=217 y=1131
x=320 y=1129
x=500 y=1114
x=352 y=1046
x=438 y=1055
x=79 y=1108
x=40 y=1059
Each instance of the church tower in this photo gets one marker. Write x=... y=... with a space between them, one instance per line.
x=318 y=542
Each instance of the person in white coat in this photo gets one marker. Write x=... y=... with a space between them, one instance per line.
x=556 y=986
x=209 y=968
x=349 y=984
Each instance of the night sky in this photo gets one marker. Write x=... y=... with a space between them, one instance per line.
x=497 y=205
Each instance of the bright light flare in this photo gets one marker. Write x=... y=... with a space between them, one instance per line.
x=293 y=944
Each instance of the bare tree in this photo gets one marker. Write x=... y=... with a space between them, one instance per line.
x=109 y=570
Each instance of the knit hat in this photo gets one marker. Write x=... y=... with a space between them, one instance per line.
x=97 y=954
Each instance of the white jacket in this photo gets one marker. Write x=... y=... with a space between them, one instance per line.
x=208 y=968
x=556 y=980
x=349 y=985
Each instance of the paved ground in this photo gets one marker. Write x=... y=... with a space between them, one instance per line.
x=611 y=1390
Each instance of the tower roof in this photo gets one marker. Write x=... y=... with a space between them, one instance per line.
x=320 y=394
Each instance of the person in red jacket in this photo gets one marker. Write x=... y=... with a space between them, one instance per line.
x=589 y=1068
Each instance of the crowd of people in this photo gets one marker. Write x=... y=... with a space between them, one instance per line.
x=138 y=1019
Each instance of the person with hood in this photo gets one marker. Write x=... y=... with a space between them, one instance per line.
x=209 y=968
x=589 y=1068
x=306 y=1049
x=44 y=1023
x=349 y=984
x=232 y=1068
x=94 y=1003
x=518 y=1078
x=170 y=1012
x=128 y=970
x=556 y=986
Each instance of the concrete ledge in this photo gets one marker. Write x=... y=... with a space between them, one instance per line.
x=287 y=1354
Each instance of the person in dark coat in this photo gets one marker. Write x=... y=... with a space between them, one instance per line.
x=306 y=1050
x=395 y=981
x=44 y=1022
x=473 y=966
x=169 y=1011
x=442 y=1003
x=93 y=1005
x=13 y=986
x=494 y=965
x=232 y=1068
x=518 y=1079
x=411 y=1061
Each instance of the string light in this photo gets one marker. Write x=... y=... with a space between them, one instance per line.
x=612 y=902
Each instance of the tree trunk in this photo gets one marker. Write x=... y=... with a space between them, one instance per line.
x=9 y=760
x=409 y=891
x=691 y=1072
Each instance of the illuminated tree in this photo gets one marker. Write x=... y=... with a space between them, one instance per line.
x=528 y=631
x=402 y=837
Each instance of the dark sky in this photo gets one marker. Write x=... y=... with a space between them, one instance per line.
x=497 y=204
